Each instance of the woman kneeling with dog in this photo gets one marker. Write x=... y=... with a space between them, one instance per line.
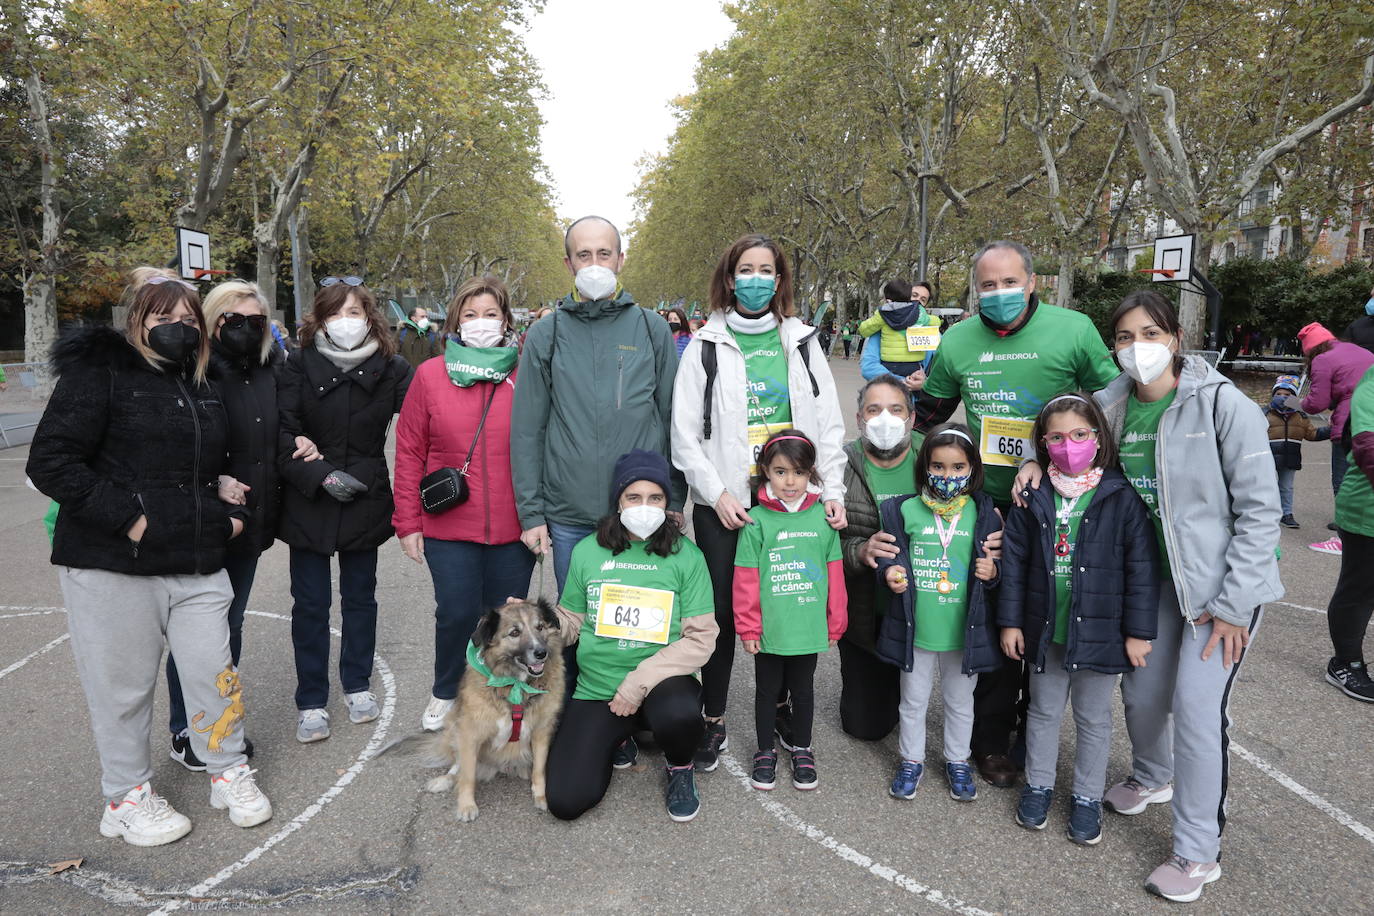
x=638 y=604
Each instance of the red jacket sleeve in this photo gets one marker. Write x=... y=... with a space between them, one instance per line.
x=837 y=606
x=412 y=452
x=748 y=611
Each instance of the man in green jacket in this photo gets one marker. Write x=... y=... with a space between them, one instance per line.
x=415 y=338
x=595 y=381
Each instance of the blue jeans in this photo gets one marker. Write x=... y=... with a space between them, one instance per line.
x=564 y=539
x=469 y=579
x=241 y=568
x=312 y=595
x=1286 y=489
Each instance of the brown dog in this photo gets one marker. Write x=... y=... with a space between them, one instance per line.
x=520 y=640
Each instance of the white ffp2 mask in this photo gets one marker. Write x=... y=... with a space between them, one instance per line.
x=595 y=282
x=642 y=521
x=885 y=431
x=1145 y=361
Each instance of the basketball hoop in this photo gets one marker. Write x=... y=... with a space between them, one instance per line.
x=1165 y=272
x=202 y=272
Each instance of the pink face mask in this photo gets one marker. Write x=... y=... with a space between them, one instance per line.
x=1073 y=458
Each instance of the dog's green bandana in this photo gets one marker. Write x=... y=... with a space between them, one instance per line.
x=518 y=688
x=469 y=365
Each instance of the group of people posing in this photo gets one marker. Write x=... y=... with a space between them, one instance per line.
x=1084 y=524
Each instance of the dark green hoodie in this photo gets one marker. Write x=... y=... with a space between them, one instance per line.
x=595 y=380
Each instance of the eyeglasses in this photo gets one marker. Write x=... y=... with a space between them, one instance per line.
x=158 y=280
x=235 y=321
x=346 y=281
x=1082 y=434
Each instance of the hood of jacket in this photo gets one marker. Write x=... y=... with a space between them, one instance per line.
x=222 y=362
x=592 y=309
x=793 y=331
x=1041 y=500
x=95 y=345
x=1197 y=375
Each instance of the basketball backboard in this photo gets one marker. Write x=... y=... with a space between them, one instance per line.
x=1173 y=253
x=194 y=250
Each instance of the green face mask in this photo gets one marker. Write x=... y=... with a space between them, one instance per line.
x=753 y=292
x=1004 y=305
x=469 y=365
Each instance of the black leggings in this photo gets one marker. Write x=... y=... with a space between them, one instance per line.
x=1352 y=603
x=869 y=693
x=771 y=674
x=717 y=543
x=589 y=733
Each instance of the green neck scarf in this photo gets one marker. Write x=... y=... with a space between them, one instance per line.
x=469 y=365
x=518 y=688
x=946 y=508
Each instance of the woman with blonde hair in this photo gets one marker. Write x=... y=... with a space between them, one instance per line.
x=457 y=417
x=130 y=446
x=243 y=366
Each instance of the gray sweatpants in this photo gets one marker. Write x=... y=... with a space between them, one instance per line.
x=118 y=624
x=1091 y=693
x=1189 y=749
x=957 y=690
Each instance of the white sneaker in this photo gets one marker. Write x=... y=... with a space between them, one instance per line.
x=235 y=789
x=362 y=707
x=144 y=818
x=433 y=719
x=312 y=725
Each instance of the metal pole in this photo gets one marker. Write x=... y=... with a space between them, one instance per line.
x=921 y=267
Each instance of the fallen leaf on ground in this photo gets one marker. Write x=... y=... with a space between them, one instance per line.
x=56 y=867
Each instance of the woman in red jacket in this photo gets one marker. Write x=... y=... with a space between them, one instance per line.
x=457 y=415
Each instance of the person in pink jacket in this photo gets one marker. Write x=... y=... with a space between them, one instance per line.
x=457 y=415
x=1335 y=368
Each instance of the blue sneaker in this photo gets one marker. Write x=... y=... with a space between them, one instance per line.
x=960 y=776
x=681 y=794
x=1085 y=821
x=626 y=754
x=1034 y=807
x=908 y=777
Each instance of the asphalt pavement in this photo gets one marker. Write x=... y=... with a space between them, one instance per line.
x=357 y=834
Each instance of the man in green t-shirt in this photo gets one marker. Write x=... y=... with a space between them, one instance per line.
x=1004 y=367
x=1352 y=603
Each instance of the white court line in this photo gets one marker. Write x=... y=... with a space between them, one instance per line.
x=1306 y=794
x=374 y=744
x=847 y=853
x=1301 y=607
x=32 y=655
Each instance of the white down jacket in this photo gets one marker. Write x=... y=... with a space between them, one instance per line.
x=722 y=462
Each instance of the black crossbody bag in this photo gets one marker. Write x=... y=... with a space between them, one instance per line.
x=445 y=488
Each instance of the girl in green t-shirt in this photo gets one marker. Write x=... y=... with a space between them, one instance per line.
x=790 y=599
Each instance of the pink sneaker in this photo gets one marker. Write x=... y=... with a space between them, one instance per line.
x=1181 y=880
x=1133 y=796
x=1331 y=545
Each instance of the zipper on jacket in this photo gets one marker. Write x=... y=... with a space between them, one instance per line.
x=619 y=379
x=195 y=469
x=486 y=489
x=1164 y=516
x=144 y=510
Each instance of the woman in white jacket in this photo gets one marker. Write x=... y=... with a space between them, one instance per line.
x=753 y=369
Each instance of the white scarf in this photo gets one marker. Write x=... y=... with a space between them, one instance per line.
x=344 y=359
x=757 y=325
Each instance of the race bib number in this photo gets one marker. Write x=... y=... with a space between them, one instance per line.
x=1007 y=442
x=922 y=338
x=631 y=612
x=758 y=435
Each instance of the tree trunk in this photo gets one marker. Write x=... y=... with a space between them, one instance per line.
x=269 y=251
x=1068 y=259
x=40 y=280
x=1192 y=305
x=302 y=262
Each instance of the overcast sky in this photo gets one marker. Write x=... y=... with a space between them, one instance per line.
x=612 y=67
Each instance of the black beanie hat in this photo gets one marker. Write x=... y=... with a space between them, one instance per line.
x=639 y=464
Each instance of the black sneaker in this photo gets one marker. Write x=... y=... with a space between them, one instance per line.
x=1352 y=678
x=1331 y=526
x=681 y=794
x=182 y=753
x=626 y=754
x=1288 y=521
x=765 y=773
x=803 y=769
x=783 y=727
x=248 y=748
x=713 y=741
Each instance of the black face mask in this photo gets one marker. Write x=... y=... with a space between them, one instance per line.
x=244 y=340
x=174 y=341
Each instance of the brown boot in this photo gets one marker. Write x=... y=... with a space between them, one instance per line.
x=997 y=769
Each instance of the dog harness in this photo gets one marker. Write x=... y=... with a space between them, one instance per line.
x=515 y=697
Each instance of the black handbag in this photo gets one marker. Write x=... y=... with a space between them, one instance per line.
x=445 y=488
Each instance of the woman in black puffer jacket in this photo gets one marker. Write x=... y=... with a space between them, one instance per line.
x=131 y=446
x=341 y=390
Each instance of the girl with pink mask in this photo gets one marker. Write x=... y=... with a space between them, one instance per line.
x=1079 y=601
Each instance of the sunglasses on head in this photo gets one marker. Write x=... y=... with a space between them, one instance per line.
x=346 y=281
x=159 y=280
x=235 y=320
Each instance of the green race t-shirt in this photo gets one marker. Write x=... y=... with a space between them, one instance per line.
x=1004 y=381
x=679 y=585
x=1139 y=442
x=1355 y=502
x=791 y=551
x=940 y=615
x=765 y=369
x=1063 y=566
x=887 y=483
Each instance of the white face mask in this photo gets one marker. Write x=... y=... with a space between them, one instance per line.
x=885 y=431
x=642 y=521
x=482 y=332
x=1145 y=362
x=422 y=324
x=347 y=333
x=595 y=282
